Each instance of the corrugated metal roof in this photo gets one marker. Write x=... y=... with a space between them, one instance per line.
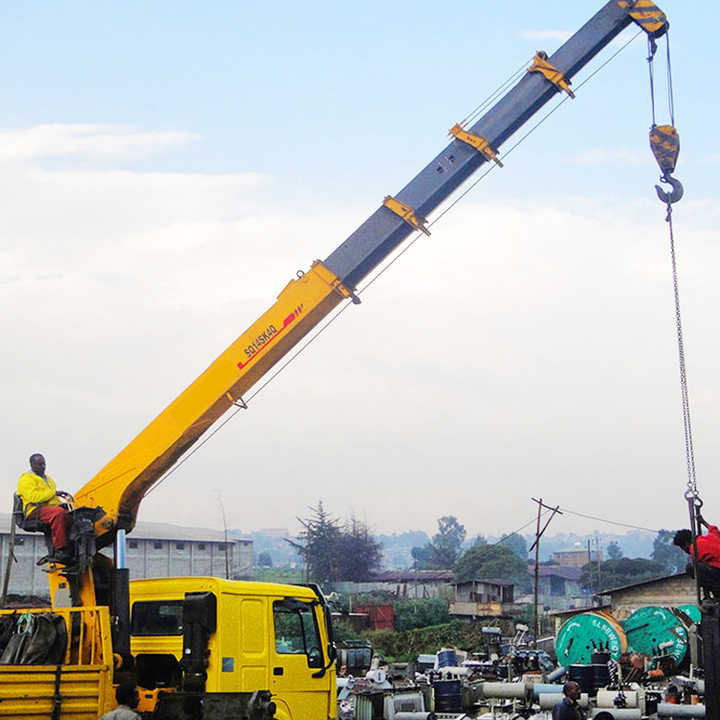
x=158 y=531
x=413 y=576
x=643 y=582
x=489 y=581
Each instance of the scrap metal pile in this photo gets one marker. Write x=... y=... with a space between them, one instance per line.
x=643 y=667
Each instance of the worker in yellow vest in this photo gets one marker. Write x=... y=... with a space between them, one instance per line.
x=41 y=504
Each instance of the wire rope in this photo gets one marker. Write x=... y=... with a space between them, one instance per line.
x=522 y=527
x=510 y=80
x=651 y=71
x=609 y=522
x=671 y=97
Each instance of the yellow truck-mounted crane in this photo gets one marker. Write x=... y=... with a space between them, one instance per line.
x=201 y=645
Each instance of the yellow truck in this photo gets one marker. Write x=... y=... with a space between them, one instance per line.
x=202 y=647
x=273 y=636
x=231 y=648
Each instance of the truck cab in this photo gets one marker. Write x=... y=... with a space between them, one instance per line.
x=252 y=635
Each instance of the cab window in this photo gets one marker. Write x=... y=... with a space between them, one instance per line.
x=157 y=618
x=296 y=631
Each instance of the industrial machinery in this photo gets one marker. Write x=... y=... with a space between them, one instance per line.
x=92 y=596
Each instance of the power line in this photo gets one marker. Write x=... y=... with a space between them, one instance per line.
x=522 y=527
x=609 y=522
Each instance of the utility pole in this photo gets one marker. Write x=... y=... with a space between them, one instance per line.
x=590 y=573
x=537 y=572
x=225 y=528
x=536 y=545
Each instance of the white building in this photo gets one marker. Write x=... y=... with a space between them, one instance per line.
x=152 y=550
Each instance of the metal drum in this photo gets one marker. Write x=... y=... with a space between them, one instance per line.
x=583 y=676
x=588 y=633
x=448 y=696
x=447 y=658
x=600 y=675
x=657 y=631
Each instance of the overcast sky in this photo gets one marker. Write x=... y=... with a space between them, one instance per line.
x=168 y=167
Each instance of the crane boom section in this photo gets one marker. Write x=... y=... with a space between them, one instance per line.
x=119 y=487
x=384 y=230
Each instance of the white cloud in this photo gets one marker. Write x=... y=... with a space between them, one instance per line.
x=524 y=342
x=86 y=141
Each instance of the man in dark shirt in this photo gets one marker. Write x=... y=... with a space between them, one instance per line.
x=568 y=708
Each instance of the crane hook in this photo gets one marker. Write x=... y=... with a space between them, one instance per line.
x=675 y=194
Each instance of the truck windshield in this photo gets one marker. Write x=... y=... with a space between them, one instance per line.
x=161 y=617
x=296 y=631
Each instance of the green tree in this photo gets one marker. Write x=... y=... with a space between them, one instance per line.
x=411 y=614
x=360 y=553
x=424 y=558
x=448 y=541
x=264 y=559
x=619 y=572
x=614 y=551
x=336 y=551
x=517 y=544
x=671 y=557
x=491 y=561
x=319 y=544
x=444 y=549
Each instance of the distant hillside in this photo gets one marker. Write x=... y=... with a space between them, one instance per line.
x=396 y=547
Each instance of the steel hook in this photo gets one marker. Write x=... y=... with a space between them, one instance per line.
x=676 y=193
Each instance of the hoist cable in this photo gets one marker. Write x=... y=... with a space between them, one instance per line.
x=651 y=70
x=411 y=241
x=671 y=98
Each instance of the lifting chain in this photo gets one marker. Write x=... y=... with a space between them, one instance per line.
x=665 y=146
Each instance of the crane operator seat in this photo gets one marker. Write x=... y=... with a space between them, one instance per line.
x=29 y=525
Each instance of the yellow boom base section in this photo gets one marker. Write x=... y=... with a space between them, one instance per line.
x=119 y=487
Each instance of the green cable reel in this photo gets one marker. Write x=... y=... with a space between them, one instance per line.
x=657 y=631
x=588 y=633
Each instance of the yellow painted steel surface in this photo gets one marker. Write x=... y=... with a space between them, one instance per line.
x=245 y=639
x=121 y=484
x=60 y=594
x=647 y=15
x=81 y=687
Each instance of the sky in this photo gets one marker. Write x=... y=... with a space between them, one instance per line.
x=167 y=168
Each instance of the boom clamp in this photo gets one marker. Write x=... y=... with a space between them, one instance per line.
x=406 y=213
x=551 y=73
x=478 y=142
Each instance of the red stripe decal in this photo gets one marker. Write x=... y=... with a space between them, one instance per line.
x=289 y=320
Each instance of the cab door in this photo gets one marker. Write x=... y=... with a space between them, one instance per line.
x=300 y=682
